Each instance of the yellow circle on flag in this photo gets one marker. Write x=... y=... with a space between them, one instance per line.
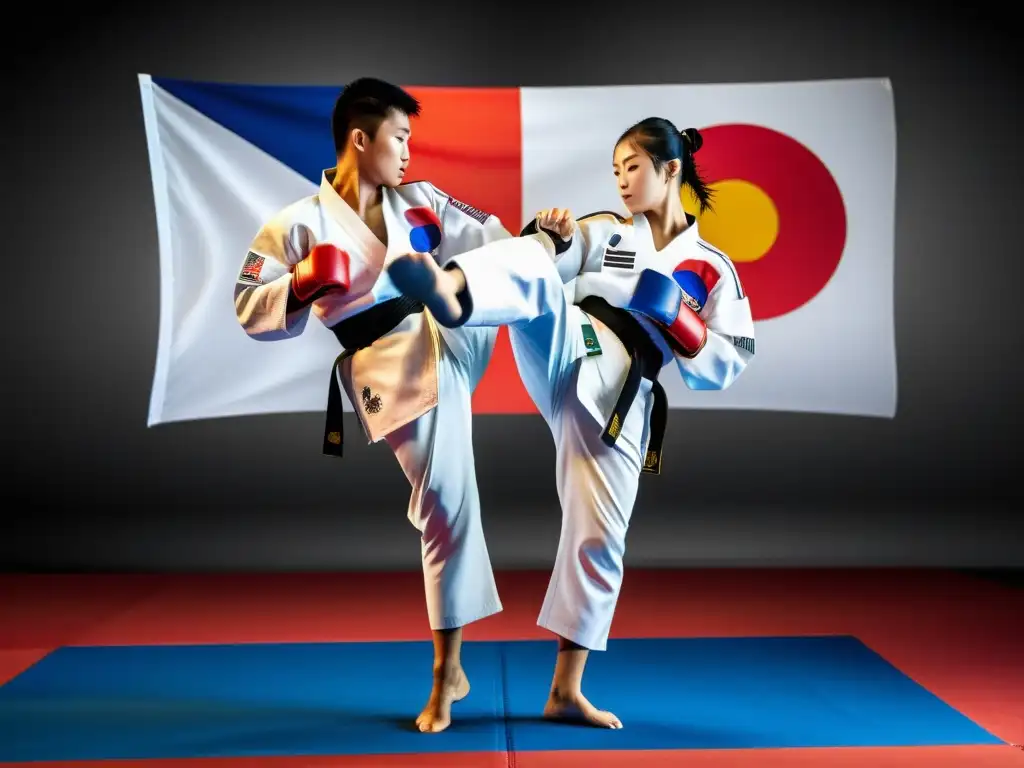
x=744 y=222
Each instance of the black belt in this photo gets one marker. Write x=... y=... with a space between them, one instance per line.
x=645 y=362
x=355 y=333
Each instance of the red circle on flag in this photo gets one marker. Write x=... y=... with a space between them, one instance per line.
x=812 y=217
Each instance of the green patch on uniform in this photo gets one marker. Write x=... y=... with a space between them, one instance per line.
x=590 y=340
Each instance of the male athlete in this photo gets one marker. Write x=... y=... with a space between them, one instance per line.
x=410 y=380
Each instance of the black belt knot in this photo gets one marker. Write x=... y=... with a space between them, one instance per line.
x=645 y=362
x=354 y=333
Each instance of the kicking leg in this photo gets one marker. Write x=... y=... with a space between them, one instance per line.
x=419 y=276
x=513 y=283
x=507 y=282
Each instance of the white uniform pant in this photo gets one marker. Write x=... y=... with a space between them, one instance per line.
x=515 y=283
x=436 y=454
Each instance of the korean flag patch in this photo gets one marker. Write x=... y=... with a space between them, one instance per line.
x=425 y=234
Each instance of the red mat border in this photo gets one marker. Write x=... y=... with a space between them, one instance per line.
x=834 y=757
x=955 y=635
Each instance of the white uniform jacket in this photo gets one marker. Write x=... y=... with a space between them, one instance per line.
x=605 y=258
x=393 y=381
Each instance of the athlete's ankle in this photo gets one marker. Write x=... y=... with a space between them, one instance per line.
x=565 y=692
x=446 y=669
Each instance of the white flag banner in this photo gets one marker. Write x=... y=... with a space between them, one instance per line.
x=804 y=182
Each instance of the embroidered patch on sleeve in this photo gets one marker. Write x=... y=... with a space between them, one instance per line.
x=469 y=210
x=251 y=269
x=744 y=342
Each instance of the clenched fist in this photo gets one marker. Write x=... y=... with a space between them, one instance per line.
x=557 y=220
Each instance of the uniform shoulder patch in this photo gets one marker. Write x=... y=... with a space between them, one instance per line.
x=744 y=342
x=469 y=210
x=252 y=267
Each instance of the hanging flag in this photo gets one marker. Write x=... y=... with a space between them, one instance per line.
x=804 y=181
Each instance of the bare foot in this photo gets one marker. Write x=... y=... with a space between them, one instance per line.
x=576 y=707
x=418 y=276
x=437 y=715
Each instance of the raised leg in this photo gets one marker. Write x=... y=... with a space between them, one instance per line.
x=507 y=282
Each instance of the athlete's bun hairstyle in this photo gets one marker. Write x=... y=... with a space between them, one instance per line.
x=694 y=140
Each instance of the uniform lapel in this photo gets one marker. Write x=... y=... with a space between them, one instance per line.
x=642 y=239
x=682 y=245
x=674 y=252
x=398 y=232
x=349 y=220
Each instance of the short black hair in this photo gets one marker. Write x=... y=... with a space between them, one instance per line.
x=366 y=103
x=662 y=142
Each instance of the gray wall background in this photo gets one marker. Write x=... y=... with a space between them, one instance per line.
x=92 y=488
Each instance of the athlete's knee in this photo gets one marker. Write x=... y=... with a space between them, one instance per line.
x=600 y=559
x=440 y=530
x=554 y=288
x=444 y=517
x=600 y=517
x=539 y=280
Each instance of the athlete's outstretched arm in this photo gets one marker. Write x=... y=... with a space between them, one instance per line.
x=582 y=249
